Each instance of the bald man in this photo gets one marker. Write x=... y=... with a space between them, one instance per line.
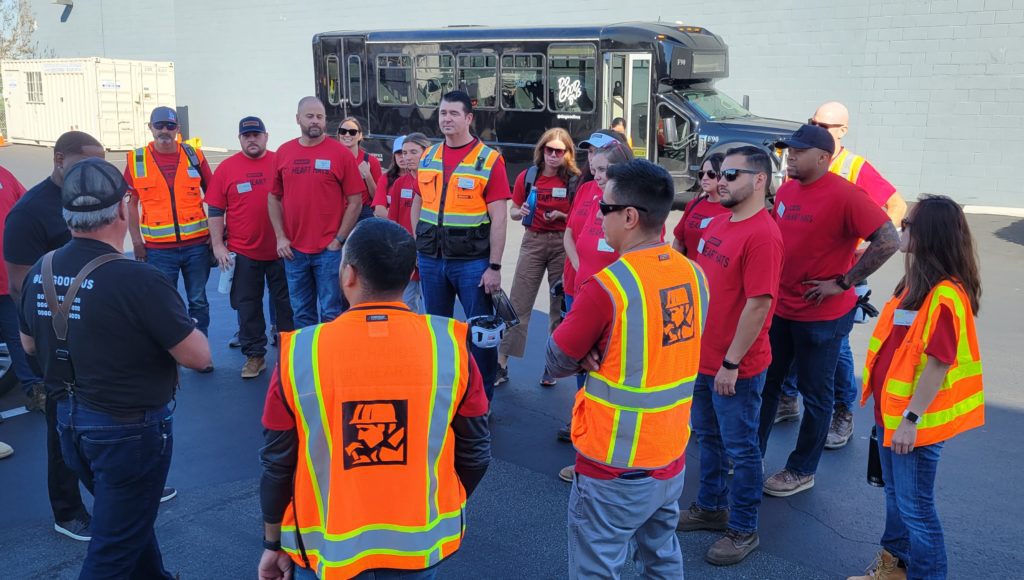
x=314 y=203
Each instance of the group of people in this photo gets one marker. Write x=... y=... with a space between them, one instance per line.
x=752 y=294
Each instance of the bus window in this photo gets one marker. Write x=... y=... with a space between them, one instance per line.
x=522 y=82
x=333 y=80
x=355 y=81
x=435 y=76
x=572 y=78
x=478 y=76
x=394 y=79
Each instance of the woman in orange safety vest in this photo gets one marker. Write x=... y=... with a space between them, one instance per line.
x=924 y=372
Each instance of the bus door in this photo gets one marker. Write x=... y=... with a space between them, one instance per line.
x=353 y=79
x=627 y=94
x=676 y=144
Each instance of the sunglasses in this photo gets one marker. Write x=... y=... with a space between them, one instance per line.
x=607 y=208
x=905 y=223
x=732 y=174
x=710 y=174
x=165 y=125
x=349 y=132
x=553 y=151
x=811 y=121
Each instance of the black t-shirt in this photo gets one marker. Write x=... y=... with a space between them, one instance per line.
x=125 y=318
x=35 y=225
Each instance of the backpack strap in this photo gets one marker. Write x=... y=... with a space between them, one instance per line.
x=193 y=160
x=571 y=186
x=531 y=178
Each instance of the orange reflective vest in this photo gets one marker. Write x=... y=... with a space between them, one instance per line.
x=960 y=403
x=375 y=484
x=459 y=203
x=169 y=214
x=634 y=411
x=847 y=165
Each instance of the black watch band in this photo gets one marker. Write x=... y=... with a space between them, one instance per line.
x=340 y=240
x=729 y=365
x=842 y=283
x=494 y=266
x=272 y=546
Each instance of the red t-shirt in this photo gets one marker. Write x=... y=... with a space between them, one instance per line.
x=11 y=191
x=552 y=195
x=594 y=252
x=588 y=326
x=821 y=224
x=871 y=181
x=381 y=195
x=240 y=187
x=741 y=260
x=375 y=173
x=168 y=164
x=314 y=184
x=696 y=217
x=942 y=346
x=400 y=204
x=497 y=186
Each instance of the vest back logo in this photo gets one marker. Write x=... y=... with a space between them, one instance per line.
x=374 y=432
x=677 y=314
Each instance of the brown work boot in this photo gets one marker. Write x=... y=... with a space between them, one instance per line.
x=732 y=548
x=567 y=473
x=841 y=429
x=885 y=567
x=37 y=398
x=789 y=409
x=698 y=518
x=253 y=367
x=786 y=483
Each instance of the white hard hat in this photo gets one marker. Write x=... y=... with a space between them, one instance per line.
x=486 y=331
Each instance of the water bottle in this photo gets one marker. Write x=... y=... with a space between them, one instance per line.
x=529 y=208
x=875 y=461
x=226 y=276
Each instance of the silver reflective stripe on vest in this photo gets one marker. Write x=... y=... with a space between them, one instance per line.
x=140 y=162
x=194 y=228
x=635 y=314
x=466 y=221
x=305 y=377
x=446 y=365
x=626 y=430
x=638 y=399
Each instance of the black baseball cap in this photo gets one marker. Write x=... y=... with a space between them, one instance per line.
x=251 y=125
x=809 y=137
x=165 y=114
x=94 y=178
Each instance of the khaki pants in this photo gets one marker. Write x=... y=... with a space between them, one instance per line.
x=539 y=252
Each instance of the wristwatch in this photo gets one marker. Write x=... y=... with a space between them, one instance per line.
x=842 y=283
x=729 y=365
x=340 y=240
x=494 y=266
x=272 y=546
x=911 y=416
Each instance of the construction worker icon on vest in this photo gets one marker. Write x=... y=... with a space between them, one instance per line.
x=677 y=314
x=375 y=435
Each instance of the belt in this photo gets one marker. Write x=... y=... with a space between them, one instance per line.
x=636 y=474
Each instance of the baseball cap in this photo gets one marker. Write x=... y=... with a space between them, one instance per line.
x=598 y=141
x=94 y=178
x=251 y=125
x=809 y=137
x=166 y=114
x=397 y=145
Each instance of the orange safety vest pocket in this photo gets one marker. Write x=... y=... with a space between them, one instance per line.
x=428 y=191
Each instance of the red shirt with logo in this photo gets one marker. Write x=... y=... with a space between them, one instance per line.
x=375 y=172
x=585 y=221
x=696 y=216
x=821 y=224
x=741 y=260
x=552 y=195
x=168 y=164
x=314 y=184
x=240 y=188
x=11 y=191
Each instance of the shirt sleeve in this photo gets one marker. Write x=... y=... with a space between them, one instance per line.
x=276 y=415
x=277 y=185
x=878 y=188
x=348 y=175
x=216 y=194
x=375 y=170
x=519 y=190
x=863 y=217
x=24 y=238
x=160 y=308
x=128 y=179
x=380 y=197
x=497 y=186
x=204 y=170
x=474 y=403
x=942 y=346
x=588 y=323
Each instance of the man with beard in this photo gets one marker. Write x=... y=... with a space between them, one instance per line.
x=238 y=194
x=167 y=179
x=315 y=200
x=742 y=255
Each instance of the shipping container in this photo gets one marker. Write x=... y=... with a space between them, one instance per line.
x=110 y=99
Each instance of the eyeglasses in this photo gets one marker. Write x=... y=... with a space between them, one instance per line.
x=553 y=151
x=905 y=223
x=710 y=174
x=732 y=174
x=165 y=125
x=811 y=121
x=350 y=132
x=607 y=208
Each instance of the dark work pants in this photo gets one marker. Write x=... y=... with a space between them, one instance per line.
x=61 y=481
x=247 y=299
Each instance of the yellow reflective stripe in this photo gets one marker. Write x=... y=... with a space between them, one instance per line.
x=636 y=439
x=372 y=527
x=963 y=371
x=644 y=336
x=617 y=288
x=314 y=357
x=874 y=345
x=614 y=435
x=858 y=162
x=942 y=416
x=301 y=416
x=667 y=407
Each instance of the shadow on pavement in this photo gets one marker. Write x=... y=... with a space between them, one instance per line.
x=1013 y=233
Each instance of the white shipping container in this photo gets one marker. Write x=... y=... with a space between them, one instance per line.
x=108 y=98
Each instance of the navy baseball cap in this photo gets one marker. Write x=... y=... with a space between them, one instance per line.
x=251 y=125
x=165 y=114
x=810 y=137
x=96 y=179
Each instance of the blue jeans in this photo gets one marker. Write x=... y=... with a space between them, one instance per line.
x=194 y=264
x=124 y=463
x=9 y=334
x=913 y=532
x=813 y=348
x=581 y=378
x=726 y=428
x=299 y=573
x=845 y=380
x=314 y=278
x=442 y=280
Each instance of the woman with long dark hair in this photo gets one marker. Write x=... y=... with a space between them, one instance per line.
x=350 y=134
x=698 y=212
x=924 y=372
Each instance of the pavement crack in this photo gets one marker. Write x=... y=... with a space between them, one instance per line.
x=829 y=526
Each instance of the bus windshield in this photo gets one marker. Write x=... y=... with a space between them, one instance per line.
x=713 y=105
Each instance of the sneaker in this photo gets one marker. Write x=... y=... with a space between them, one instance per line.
x=501 y=377
x=567 y=473
x=841 y=429
x=76 y=529
x=37 y=398
x=253 y=367
x=234 y=342
x=789 y=409
x=5 y=450
x=206 y=370
x=565 y=433
x=547 y=380
x=786 y=483
x=168 y=494
x=885 y=567
x=698 y=518
x=732 y=548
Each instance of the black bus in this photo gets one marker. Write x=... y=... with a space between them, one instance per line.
x=659 y=77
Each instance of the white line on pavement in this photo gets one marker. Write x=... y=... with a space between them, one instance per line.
x=995 y=210
x=13 y=412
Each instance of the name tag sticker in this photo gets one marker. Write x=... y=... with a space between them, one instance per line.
x=406 y=194
x=704 y=222
x=322 y=164
x=389 y=200
x=700 y=246
x=244 y=187
x=780 y=209
x=603 y=246
x=465 y=183
x=904 y=317
x=560 y=192
x=193 y=172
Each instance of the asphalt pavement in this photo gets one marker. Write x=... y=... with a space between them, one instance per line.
x=516 y=519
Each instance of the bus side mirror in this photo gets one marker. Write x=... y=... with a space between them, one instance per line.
x=671 y=130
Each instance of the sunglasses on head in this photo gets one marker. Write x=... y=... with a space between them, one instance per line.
x=711 y=174
x=905 y=223
x=350 y=132
x=165 y=125
x=732 y=174
x=553 y=151
x=607 y=208
x=811 y=121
